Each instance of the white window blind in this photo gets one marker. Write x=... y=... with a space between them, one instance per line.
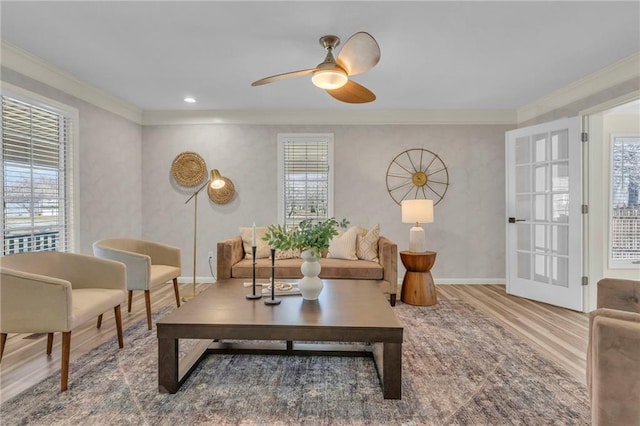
x=305 y=184
x=37 y=170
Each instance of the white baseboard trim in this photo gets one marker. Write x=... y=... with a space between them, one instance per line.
x=199 y=280
x=467 y=281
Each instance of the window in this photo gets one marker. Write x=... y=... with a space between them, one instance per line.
x=37 y=174
x=305 y=178
x=624 y=240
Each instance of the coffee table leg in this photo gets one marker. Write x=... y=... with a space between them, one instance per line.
x=168 y=366
x=392 y=371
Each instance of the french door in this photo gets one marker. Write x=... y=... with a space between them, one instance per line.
x=544 y=217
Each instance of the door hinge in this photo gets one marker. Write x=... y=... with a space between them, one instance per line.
x=585 y=281
x=585 y=209
x=585 y=137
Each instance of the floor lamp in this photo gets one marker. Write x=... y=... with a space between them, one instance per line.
x=216 y=182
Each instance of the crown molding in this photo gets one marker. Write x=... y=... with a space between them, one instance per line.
x=27 y=64
x=619 y=72
x=333 y=117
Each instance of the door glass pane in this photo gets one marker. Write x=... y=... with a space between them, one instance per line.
x=524 y=236
x=540 y=238
x=560 y=177
x=523 y=151
x=560 y=274
x=523 y=207
x=540 y=148
x=523 y=179
x=524 y=266
x=560 y=145
x=540 y=207
x=540 y=180
x=560 y=207
x=540 y=273
x=560 y=240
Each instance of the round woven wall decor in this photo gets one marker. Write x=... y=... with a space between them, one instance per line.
x=188 y=168
x=222 y=195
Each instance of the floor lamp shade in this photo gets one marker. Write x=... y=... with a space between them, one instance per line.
x=417 y=212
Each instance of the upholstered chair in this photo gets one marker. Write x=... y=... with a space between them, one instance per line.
x=50 y=292
x=613 y=356
x=148 y=264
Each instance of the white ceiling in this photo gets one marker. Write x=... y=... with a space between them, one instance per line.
x=435 y=55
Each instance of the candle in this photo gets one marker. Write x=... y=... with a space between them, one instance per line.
x=253 y=235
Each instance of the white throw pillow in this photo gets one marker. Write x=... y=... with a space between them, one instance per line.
x=263 y=251
x=344 y=246
x=367 y=244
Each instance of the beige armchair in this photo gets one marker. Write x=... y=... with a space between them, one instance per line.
x=613 y=355
x=49 y=292
x=148 y=264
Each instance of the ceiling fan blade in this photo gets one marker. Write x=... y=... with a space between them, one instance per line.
x=359 y=54
x=353 y=93
x=283 y=76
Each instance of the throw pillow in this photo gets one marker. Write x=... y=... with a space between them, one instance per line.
x=367 y=244
x=287 y=254
x=344 y=246
x=263 y=251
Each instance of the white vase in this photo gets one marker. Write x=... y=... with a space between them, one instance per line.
x=310 y=285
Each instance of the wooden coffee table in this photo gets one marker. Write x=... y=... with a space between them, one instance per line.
x=347 y=311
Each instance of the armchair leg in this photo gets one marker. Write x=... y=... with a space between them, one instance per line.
x=64 y=360
x=49 y=343
x=99 y=321
x=392 y=299
x=118 y=315
x=147 y=300
x=176 y=290
x=129 y=300
x=3 y=341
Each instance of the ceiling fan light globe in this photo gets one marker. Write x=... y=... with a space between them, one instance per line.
x=329 y=79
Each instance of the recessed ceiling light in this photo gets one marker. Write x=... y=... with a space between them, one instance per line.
x=190 y=100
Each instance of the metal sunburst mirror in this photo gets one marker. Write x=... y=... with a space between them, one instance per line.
x=417 y=174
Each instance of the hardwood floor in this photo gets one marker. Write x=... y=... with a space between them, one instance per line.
x=558 y=334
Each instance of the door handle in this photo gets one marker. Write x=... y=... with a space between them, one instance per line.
x=514 y=220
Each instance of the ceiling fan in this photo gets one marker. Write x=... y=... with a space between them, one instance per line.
x=360 y=53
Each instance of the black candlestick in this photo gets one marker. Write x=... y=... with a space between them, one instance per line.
x=273 y=300
x=253 y=295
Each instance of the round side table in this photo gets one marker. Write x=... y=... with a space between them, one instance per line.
x=417 y=286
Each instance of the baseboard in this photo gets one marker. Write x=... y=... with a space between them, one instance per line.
x=199 y=280
x=467 y=281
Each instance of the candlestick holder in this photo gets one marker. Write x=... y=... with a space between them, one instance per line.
x=253 y=294
x=273 y=300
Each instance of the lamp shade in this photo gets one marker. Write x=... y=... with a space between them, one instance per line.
x=216 y=180
x=417 y=211
x=329 y=78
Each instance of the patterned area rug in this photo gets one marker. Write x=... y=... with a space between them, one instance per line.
x=459 y=367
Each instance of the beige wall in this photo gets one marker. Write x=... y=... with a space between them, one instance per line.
x=110 y=173
x=468 y=232
x=602 y=126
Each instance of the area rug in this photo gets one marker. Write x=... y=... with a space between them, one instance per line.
x=459 y=367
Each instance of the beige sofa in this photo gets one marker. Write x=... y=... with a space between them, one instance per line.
x=233 y=264
x=613 y=356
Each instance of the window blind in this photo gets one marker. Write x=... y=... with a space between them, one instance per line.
x=306 y=179
x=36 y=171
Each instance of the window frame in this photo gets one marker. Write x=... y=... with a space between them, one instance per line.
x=72 y=177
x=632 y=263
x=283 y=138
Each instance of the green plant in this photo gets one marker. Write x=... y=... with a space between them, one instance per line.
x=308 y=235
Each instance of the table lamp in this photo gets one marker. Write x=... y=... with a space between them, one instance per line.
x=417 y=212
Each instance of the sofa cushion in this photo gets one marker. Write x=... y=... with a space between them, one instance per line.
x=331 y=269
x=263 y=250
